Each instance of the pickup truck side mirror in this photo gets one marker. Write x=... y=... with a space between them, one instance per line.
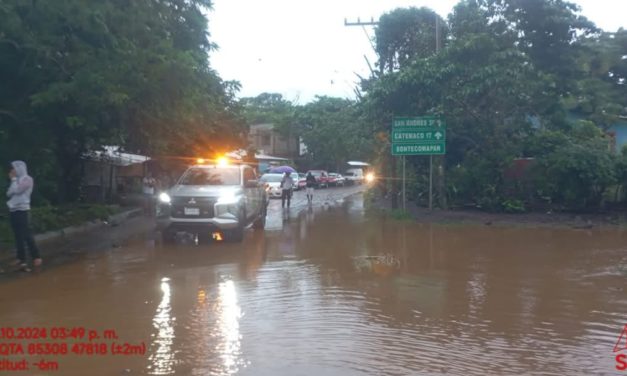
x=251 y=183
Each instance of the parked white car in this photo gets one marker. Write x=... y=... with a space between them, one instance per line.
x=272 y=182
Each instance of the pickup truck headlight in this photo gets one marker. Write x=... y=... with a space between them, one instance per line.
x=227 y=199
x=227 y=204
x=164 y=198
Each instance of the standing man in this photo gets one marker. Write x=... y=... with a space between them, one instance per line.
x=286 y=189
x=311 y=183
x=148 y=188
x=19 y=193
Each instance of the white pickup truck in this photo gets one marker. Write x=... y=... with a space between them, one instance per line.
x=210 y=199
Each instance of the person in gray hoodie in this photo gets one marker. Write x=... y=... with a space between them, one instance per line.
x=19 y=207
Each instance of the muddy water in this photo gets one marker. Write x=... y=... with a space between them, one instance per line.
x=331 y=292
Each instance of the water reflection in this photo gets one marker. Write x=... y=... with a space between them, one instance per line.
x=228 y=314
x=162 y=358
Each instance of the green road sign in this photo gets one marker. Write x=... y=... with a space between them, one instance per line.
x=419 y=121
x=421 y=135
x=417 y=135
x=435 y=148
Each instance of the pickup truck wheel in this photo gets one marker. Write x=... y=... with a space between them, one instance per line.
x=260 y=222
x=204 y=237
x=236 y=235
x=168 y=236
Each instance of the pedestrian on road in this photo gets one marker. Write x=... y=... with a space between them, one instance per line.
x=286 y=189
x=311 y=183
x=148 y=188
x=19 y=193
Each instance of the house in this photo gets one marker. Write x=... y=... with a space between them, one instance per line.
x=618 y=134
x=265 y=139
x=110 y=172
x=266 y=162
x=263 y=161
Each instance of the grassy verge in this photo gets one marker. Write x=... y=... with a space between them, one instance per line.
x=50 y=218
x=375 y=207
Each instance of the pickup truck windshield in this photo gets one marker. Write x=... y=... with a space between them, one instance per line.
x=211 y=176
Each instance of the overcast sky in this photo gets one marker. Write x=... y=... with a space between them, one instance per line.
x=301 y=48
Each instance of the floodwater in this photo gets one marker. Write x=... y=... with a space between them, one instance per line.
x=330 y=291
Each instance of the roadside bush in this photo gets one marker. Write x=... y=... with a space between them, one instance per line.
x=478 y=182
x=400 y=215
x=576 y=174
x=513 y=206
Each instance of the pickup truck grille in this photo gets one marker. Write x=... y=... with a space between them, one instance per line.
x=203 y=206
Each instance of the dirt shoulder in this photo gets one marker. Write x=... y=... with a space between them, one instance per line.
x=475 y=216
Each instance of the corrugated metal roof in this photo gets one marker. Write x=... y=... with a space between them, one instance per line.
x=242 y=153
x=265 y=156
x=113 y=155
x=357 y=163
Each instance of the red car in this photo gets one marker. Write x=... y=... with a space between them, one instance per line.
x=322 y=178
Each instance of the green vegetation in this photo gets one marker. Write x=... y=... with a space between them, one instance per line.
x=50 y=218
x=335 y=130
x=77 y=75
x=400 y=214
x=510 y=77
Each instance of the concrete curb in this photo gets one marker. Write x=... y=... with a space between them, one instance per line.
x=114 y=220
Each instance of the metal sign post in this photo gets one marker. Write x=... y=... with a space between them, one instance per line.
x=431 y=183
x=404 y=179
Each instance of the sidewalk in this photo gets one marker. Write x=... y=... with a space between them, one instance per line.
x=73 y=231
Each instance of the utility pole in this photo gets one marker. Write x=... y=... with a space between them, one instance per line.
x=437 y=50
x=392 y=162
x=441 y=159
x=372 y=22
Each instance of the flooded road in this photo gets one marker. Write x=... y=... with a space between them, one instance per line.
x=328 y=290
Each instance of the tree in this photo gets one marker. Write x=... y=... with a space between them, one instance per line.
x=132 y=73
x=601 y=93
x=402 y=36
x=487 y=88
x=548 y=31
x=334 y=132
x=405 y=34
x=269 y=108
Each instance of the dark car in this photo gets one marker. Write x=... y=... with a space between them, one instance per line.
x=322 y=178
